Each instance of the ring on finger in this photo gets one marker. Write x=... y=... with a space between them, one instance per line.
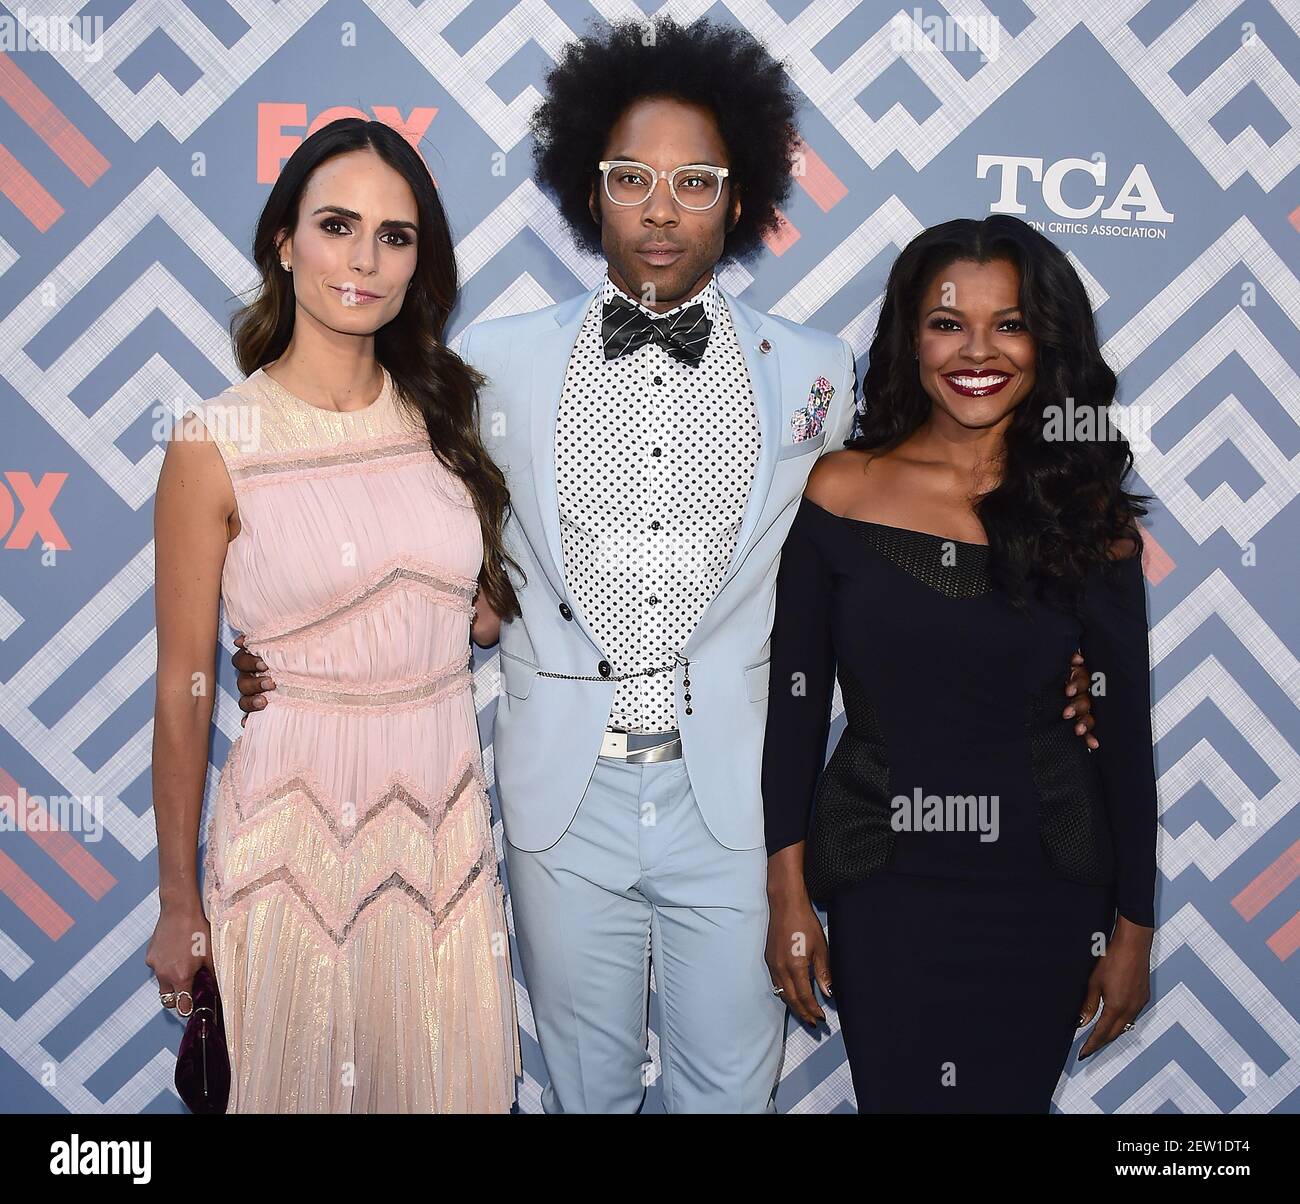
x=167 y=999
x=178 y=1002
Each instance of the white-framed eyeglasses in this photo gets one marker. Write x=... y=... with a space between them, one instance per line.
x=695 y=186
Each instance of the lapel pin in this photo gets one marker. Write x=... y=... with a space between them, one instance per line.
x=765 y=346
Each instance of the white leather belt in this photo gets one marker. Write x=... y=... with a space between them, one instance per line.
x=647 y=747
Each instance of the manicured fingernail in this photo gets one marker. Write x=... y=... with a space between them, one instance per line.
x=261 y=665
x=1072 y=691
x=266 y=681
x=260 y=703
x=1069 y=712
x=1079 y=729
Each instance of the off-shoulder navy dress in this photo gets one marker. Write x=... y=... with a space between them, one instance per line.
x=969 y=851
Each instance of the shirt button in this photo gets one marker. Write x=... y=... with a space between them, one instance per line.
x=653 y=600
x=659 y=380
x=654 y=526
x=603 y=668
x=565 y=611
x=655 y=451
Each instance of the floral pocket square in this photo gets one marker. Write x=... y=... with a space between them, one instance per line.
x=806 y=422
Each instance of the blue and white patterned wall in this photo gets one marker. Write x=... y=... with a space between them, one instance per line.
x=1157 y=142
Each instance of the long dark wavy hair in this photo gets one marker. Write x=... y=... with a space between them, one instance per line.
x=1061 y=504
x=427 y=375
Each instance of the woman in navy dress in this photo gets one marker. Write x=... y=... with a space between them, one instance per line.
x=988 y=878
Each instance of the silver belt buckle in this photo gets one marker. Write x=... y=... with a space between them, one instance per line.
x=614 y=744
x=667 y=751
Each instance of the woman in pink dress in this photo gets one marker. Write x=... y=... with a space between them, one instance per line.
x=339 y=502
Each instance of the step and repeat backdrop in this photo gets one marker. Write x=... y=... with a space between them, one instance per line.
x=1157 y=142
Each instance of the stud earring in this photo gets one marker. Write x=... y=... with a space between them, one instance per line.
x=284 y=263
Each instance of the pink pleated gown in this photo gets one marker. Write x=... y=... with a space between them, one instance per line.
x=358 y=924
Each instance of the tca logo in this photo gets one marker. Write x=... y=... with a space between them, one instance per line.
x=1136 y=200
x=27 y=511
x=275 y=142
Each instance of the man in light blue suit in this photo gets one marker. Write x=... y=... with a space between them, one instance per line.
x=558 y=682
x=656 y=433
x=557 y=695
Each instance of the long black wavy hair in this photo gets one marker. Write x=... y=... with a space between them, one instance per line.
x=427 y=375
x=720 y=67
x=1061 y=507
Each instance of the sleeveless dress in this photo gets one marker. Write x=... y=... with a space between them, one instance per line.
x=350 y=879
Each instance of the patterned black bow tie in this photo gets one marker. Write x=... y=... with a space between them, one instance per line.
x=625 y=327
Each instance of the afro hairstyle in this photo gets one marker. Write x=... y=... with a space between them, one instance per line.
x=722 y=68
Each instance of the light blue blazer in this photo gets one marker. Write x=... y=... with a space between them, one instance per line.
x=549 y=730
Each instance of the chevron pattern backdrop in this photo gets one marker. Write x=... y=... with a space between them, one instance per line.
x=1156 y=141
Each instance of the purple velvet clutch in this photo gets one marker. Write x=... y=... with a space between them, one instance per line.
x=202 y=1064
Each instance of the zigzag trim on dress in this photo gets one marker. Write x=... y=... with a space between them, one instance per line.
x=398 y=787
x=411 y=571
x=341 y=936
x=467 y=790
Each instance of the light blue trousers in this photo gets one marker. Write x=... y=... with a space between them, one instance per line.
x=638 y=875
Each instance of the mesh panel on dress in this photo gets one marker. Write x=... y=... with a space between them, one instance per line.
x=850 y=836
x=953 y=568
x=1071 y=803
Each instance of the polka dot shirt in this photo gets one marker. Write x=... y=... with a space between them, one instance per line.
x=654 y=461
